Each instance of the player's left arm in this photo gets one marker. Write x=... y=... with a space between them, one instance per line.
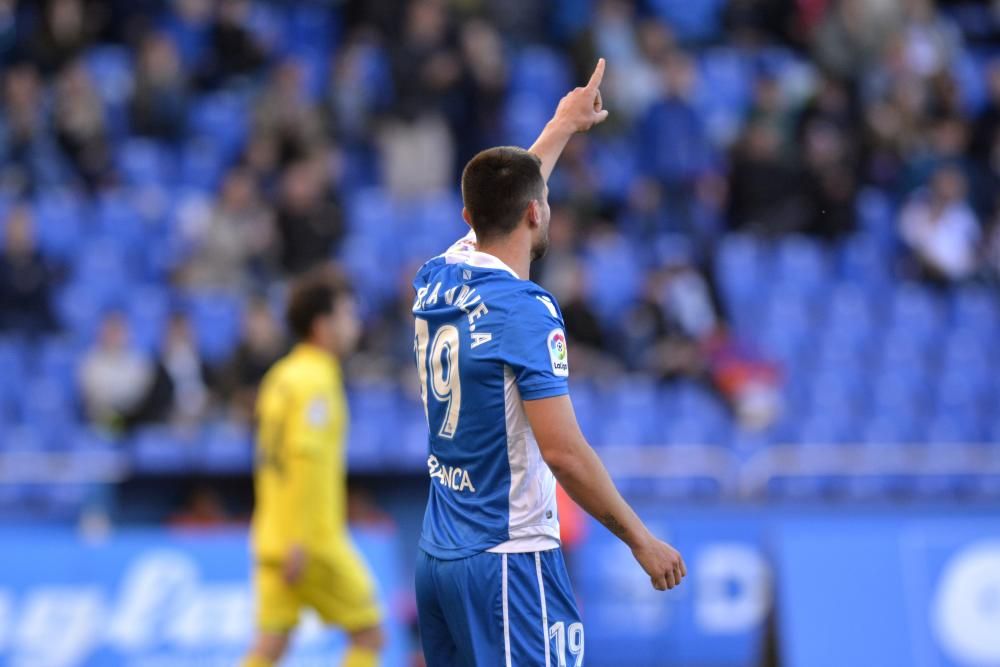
x=580 y=110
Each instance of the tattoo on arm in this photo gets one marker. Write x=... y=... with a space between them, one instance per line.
x=613 y=525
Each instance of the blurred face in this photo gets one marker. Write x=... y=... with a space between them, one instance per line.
x=20 y=233
x=339 y=331
x=540 y=232
x=114 y=332
x=949 y=185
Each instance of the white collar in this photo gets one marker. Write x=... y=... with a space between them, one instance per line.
x=484 y=260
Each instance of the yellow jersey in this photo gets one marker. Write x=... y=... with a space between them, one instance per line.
x=300 y=469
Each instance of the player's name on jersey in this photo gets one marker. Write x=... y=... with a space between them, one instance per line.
x=464 y=298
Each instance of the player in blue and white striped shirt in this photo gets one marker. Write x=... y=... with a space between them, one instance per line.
x=493 y=364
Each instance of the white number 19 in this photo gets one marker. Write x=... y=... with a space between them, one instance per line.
x=571 y=638
x=444 y=380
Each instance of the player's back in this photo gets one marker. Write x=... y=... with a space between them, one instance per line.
x=484 y=340
x=299 y=471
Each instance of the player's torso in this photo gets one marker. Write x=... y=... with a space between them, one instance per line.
x=302 y=422
x=475 y=418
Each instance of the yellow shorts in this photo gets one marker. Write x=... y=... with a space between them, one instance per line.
x=340 y=590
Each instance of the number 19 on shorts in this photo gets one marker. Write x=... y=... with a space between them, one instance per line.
x=567 y=643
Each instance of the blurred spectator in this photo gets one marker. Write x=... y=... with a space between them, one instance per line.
x=285 y=116
x=653 y=341
x=484 y=84
x=160 y=101
x=8 y=30
x=674 y=151
x=986 y=142
x=359 y=86
x=310 y=220
x=64 y=29
x=631 y=47
x=25 y=279
x=931 y=40
x=26 y=145
x=202 y=509
x=234 y=244
x=764 y=186
x=263 y=343
x=383 y=352
x=940 y=228
x=114 y=376
x=416 y=145
x=752 y=23
x=851 y=34
x=233 y=51
x=588 y=339
x=179 y=391
x=770 y=107
x=829 y=181
x=80 y=125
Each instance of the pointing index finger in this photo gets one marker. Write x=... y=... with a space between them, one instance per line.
x=595 y=78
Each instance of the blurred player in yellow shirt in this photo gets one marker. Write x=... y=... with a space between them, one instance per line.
x=303 y=554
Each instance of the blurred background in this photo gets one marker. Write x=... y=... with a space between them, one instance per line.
x=779 y=264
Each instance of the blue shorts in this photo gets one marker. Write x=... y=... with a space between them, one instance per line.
x=510 y=610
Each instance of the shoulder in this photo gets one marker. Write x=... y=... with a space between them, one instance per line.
x=290 y=378
x=535 y=302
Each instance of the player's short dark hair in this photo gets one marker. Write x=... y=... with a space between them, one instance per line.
x=314 y=295
x=497 y=186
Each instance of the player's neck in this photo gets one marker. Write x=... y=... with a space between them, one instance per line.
x=512 y=252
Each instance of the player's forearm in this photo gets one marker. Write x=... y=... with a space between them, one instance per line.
x=588 y=483
x=550 y=144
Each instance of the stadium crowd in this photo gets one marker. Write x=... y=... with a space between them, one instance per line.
x=165 y=167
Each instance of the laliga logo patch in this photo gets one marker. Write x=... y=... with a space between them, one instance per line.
x=558 y=353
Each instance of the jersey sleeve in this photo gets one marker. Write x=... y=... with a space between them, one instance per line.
x=533 y=344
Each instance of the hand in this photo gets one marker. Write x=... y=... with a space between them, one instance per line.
x=661 y=562
x=295 y=565
x=582 y=108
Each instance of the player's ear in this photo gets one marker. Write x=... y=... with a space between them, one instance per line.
x=534 y=213
x=466 y=217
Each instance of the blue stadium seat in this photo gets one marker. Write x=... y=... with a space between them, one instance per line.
x=723 y=92
x=202 y=163
x=542 y=73
x=977 y=309
x=612 y=276
x=371 y=213
x=13 y=353
x=863 y=261
x=79 y=308
x=693 y=22
x=917 y=310
x=49 y=406
x=110 y=68
x=223 y=118
x=896 y=398
x=738 y=270
x=524 y=112
x=23 y=438
x=226 y=447
x=102 y=267
x=876 y=216
x=217 y=320
x=157 y=450
x=970 y=75
x=60 y=217
x=146 y=162
x=802 y=265
x=148 y=312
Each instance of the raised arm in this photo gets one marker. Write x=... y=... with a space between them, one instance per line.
x=578 y=111
x=578 y=468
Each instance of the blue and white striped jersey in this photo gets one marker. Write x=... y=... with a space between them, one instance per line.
x=485 y=341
